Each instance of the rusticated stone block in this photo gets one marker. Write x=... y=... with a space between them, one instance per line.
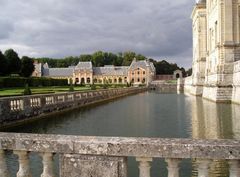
x=76 y=165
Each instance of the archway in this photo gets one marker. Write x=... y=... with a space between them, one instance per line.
x=82 y=80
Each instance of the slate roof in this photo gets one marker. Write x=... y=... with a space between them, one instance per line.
x=111 y=70
x=142 y=64
x=58 y=72
x=84 y=65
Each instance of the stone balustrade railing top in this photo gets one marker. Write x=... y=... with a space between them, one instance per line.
x=107 y=156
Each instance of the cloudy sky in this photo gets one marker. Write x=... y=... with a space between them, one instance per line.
x=58 y=28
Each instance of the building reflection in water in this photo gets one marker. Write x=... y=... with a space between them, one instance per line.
x=214 y=121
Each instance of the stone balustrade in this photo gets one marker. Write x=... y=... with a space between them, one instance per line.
x=15 y=109
x=107 y=156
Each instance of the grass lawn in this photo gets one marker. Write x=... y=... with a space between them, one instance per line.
x=4 y=92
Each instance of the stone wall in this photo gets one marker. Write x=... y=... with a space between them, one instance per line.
x=217 y=93
x=236 y=83
x=163 y=86
x=107 y=156
x=17 y=109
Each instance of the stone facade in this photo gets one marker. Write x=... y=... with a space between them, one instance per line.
x=216 y=50
x=139 y=72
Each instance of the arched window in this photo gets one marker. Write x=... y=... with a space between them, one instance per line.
x=88 y=80
x=120 y=80
x=144 y=80
x=132 y=80
x=77 y=80
x=82 y=80
x=95 y=80
x=138 y=80
x=115 y=80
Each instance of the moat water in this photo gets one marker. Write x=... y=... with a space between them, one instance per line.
x=148 y=114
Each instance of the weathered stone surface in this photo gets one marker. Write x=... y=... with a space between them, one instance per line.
x=90 y=166
x=122 y=147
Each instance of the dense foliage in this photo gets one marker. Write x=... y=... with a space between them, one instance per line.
x=10 y=63
x=13 y=61
x=6 y=82
x=27 y=67
x=104 y=58
x=98 y=58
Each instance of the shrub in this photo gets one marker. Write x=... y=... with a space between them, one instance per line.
x=93 y=87
x=71 y=88
x=33 y=82
x=27 y=90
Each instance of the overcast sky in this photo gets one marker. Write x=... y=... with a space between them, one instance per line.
x=58 y=28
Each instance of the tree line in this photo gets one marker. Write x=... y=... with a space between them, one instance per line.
x=101 y=58
x=11 y=64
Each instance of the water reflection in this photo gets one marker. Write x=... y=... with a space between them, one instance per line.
x=149 y=114
x=214 y=121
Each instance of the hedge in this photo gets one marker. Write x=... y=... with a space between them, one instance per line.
x=32 y=82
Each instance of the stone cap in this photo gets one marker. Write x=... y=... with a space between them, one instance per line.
x=120 y=146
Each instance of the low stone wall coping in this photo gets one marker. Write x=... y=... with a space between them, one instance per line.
x=120 y=146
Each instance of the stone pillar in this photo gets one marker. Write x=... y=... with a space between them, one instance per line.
x=3 y=165
x=203 y=166
x=173 y=168
x=47 y=160
x=144 y=166
x=234 y=168
x=24 y=168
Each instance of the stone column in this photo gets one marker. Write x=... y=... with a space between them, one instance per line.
x=203 y=166
x=144 y=166
x=47 y=160
x=24 y=168
x=173 y=168
x=234 y=168
x=3 y=165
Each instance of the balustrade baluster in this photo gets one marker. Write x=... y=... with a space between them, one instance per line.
x=47 y=160
x=234 y=168
x=24 y=168
x=144 y=166
x=203 y=166
x=173 y=167
x=3 y=165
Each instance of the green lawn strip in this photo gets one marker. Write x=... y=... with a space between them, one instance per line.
x=38 y=90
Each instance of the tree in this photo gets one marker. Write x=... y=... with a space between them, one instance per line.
x=128 y=58
x=189 y=72
x=13 y=61
x=98 y=58
x=3 y=64
x=27 y=67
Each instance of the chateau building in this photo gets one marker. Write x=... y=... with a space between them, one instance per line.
x=139 y=72
x=216 y=50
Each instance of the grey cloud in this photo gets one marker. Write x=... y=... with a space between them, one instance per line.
x=58 y=28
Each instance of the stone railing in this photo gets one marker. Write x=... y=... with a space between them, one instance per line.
x=107 y=156
x=15 y=109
